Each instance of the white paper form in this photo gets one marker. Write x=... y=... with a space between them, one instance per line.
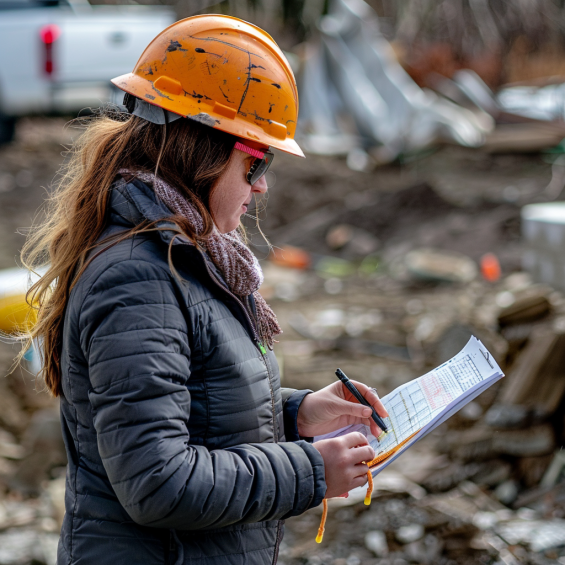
x=417 y=407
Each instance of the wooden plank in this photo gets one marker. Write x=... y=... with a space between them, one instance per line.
x=537 y=380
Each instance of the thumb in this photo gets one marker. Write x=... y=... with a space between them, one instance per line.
x=354 y=409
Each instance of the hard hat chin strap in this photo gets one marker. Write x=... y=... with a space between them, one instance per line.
x=149 y=112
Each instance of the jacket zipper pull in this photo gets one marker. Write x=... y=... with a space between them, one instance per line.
x=262 y=348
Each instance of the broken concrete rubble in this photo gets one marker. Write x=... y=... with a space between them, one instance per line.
x=481 y=443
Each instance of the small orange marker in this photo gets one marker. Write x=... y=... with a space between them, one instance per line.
x=293 y=257
x=490 y=267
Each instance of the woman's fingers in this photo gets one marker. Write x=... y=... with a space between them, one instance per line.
x=345 y=461
x=359 y=448
x=348 y=408
x=354 y=439
x=362 y=455
x=372 y=398
x=375 y=430
x=360 y=481
x=358 y=414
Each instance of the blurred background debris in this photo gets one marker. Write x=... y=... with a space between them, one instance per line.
x=430 y=208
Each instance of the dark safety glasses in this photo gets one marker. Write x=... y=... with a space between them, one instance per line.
x=261 y=164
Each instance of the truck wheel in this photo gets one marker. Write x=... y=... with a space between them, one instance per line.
x=7 y=129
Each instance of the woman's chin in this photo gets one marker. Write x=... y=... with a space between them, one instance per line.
x=226 y=227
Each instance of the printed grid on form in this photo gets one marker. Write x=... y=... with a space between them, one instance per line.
x=413 y=405
x=465 y=372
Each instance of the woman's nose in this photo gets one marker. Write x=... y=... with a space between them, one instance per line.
x=261 y=185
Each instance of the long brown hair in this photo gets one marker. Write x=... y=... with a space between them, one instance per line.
x=189 y=156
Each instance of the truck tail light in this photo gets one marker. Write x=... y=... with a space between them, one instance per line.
x=49 y=34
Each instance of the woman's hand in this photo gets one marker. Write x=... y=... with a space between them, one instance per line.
x=334 y=407
x=344 y=459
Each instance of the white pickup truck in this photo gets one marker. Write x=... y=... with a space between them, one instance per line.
x=58 y=56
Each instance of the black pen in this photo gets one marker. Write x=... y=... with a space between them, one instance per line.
x=360 y=398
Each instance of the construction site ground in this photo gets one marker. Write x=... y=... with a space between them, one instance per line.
x=347 y=297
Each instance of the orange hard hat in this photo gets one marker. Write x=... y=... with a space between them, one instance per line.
x=222 y=72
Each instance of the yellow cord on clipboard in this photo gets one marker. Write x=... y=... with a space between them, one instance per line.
x=367 y=501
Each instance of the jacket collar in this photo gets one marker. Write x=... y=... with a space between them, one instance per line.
x=132 y=202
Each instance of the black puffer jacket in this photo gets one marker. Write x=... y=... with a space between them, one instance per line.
x=173 y=415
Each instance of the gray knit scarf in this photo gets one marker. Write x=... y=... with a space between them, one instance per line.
x=239 y=267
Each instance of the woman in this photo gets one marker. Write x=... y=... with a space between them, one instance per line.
x=182 y=446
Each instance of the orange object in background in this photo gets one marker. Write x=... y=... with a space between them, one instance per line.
x=490 y=267
x=292 y=257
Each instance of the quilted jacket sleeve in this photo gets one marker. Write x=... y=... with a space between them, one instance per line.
x=292 y=399
x=134 y=337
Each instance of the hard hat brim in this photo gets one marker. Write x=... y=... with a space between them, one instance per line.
x=204 y=112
